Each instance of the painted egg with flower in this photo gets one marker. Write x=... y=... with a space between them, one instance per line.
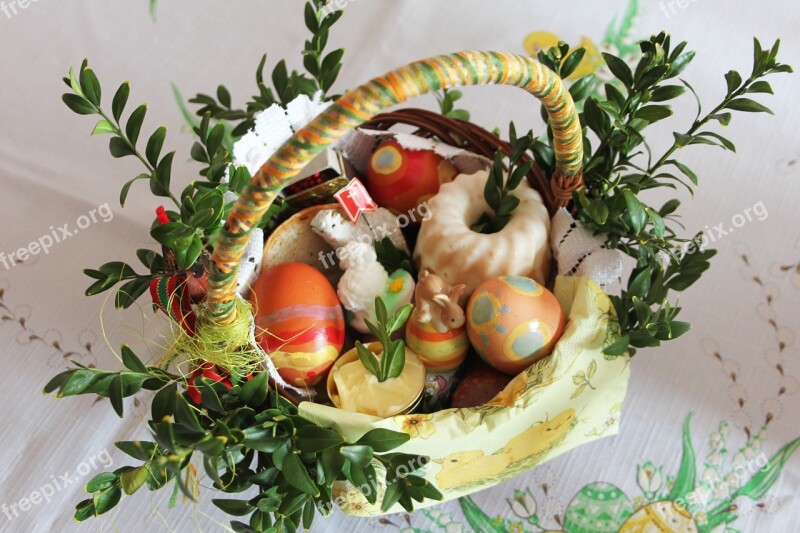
x=299 y=321
x=513 y=321
x=400 y=179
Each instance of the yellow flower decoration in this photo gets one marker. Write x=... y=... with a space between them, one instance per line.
x=542 y=40
x=419 y=425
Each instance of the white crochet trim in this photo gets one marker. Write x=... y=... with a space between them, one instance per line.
x=579 y=253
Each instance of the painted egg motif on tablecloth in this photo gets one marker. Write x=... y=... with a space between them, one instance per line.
x=597 y=508
x=512 y=322
x=660 y=516
x=299 y=321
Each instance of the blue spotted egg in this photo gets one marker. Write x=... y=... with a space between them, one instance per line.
x=512 y=322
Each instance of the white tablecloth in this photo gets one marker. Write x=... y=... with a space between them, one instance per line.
x=737 y=367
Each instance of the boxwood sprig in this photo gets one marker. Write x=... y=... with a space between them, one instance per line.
x=619 y=165
x=246 y=437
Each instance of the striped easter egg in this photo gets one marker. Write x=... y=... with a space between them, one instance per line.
x=299 y=321
x=439 y=351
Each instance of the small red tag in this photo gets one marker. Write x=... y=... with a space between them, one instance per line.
x=355 y=200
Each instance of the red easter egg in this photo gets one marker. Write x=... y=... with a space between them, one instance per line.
x=400 y=179
x=299 y=321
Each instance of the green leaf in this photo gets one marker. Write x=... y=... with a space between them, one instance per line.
x=582 y=88
x=119 y=148
x=123 y=194
x=115 y=395
x=103 y=127
x=383 y=440
x=748 y=105
x=617 y=347
x=57 y=381
x=101 y=482
x=368 y=359
x=233 y=507
x=762 y=481
x=686 y=170
x=678 y=328
x=331 y=462
x=679 y=64
x=163 y=404
x=734 y=80
x=760 y=87
x=143 y=451
x=78 y=382
x=682 y=139
x=120 y=99
x=296 y=474
x=395 y=358
x=619 y=69
x=130 y=291
x=313 y=439
x=254 y=390
x=90 y=86
x=132 y=480
x=571 y=62
x=725 y=142
x=723 y=118
x=160 y=180
x=358 y=454
x=134 y=126
x=653 y=113
x=667 y=92
x=391 y=496
x=106 y=500
x=78 y=104
x=636 y=212
x=685 y=481
x=185 y=415
x=84 y=510
x=132 y=361
x=154 y=145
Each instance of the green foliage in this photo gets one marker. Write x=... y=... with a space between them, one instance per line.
x=619 y=165
x=247 y=437
x=392 y=258
x=393 y=358
x=447 y=99
x=322 y=69
x=501 y=182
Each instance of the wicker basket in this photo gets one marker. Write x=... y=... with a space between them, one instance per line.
x=538 y=416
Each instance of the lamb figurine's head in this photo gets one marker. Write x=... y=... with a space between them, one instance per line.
x=333 y=227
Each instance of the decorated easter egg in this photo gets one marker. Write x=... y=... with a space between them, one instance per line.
x=299 y=321
x=512 y=322
x=660 y=516
x=439 y=352
x=400 y=179
x=597 y=508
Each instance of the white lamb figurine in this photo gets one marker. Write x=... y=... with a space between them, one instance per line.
x=364 y=278
x=331 y=225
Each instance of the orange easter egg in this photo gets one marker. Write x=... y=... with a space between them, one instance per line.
x=512 y=322
x=299 y=321
x=400 y=179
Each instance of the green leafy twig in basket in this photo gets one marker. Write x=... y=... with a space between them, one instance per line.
x=248 y=437
x=501 y=183
x=393 y=357
x=447 y=99
x=322 y=69
x=86 y=100
x=621 y=166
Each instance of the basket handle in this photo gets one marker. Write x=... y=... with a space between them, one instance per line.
x=366 y=101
